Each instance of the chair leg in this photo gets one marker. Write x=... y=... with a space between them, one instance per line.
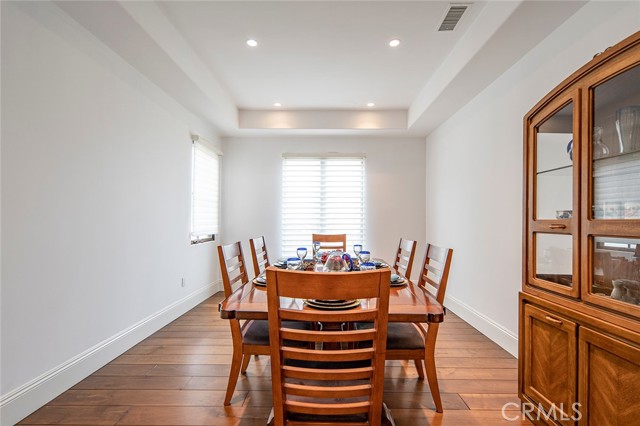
x=418 y=363
x=245 y=363
x=236 y=361
x=430 y=365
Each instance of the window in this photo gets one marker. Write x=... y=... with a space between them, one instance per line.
x=322 y=194
x=205 y=192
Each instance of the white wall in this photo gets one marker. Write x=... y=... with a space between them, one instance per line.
x=95 y=207
x=474 y=169
x=252 y=178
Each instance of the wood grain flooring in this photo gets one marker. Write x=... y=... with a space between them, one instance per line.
x=178 y=376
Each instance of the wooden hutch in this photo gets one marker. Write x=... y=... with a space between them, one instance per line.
x=579 y=360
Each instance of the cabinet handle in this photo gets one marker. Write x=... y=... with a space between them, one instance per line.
x=557 y=226
x=553 y=320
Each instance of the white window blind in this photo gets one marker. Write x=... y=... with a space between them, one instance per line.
x=205 y=192
x=616 y=181
x=322 y=194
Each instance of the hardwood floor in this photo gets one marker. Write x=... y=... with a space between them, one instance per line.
x=178 y=376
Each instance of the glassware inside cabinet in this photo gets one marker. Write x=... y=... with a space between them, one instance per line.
x=554 y=166
x=616 y=269
x=616 y=147
x=554 y=258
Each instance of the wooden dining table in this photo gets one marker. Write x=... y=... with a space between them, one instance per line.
x=407 y=303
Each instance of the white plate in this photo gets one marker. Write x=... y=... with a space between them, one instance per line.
x=341 y=307
x=260 y=281
x=398 y=283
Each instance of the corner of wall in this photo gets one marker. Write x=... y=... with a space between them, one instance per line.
x=494 y=331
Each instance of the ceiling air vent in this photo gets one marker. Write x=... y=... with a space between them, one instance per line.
x=453 y=16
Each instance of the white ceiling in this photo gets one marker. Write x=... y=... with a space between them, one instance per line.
x=323 y=60
x=332 y=55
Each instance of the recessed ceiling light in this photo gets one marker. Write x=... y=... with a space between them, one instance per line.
x=371 y=104
x=277 y=104
x=252 y=43
x=394 y=43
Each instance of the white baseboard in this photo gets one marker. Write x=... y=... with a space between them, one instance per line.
x=22 y=401
x=494 y=331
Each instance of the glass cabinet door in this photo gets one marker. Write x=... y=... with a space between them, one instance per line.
x=554 y=258
x=552 y=237
x=616 y=269
x=613 y=208
x=554 y=166
x=616 y=147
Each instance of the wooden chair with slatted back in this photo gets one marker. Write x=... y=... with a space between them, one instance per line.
x=312 y=385
x=407 y=341
x=404 y=257
x=331 y=241
x=259 y=255
x=250 y=338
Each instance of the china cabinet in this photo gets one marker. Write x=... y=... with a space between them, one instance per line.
x=579 y=361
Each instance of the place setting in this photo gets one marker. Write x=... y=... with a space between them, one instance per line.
x=398 y=280
x=260 y=280
x=335 y=305
x=331 y=261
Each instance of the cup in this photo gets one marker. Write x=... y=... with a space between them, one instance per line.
x=600 y=149
x=364 y=256
x=301 y=252
x=368 y=266
x=628 y=128
x=293 y=263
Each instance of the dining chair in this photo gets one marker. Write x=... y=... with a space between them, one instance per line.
x=313 y=385
x=250 y=338
x=411 y=341
x=404 y=257
x=259 y=255
x=331 y=241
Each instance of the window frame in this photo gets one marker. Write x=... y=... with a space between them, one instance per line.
x=203 y=237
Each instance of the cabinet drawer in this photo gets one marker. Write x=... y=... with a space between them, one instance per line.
x=550 y=362
x=609 y=389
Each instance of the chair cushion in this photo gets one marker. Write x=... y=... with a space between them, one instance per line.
x=404 y=335
x=258 y=331
x=400 y=335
